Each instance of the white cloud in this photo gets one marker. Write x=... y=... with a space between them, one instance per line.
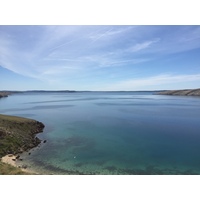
x=143 y=45
x=113 y=31
x=67 y=51
x=154 y=82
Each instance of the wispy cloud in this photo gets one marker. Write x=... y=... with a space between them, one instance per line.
x=154 y=82
x=108 y=32
x=143 y=45
x=64 y=52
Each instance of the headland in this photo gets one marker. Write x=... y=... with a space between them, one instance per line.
x=17 y=135
x=187 y=92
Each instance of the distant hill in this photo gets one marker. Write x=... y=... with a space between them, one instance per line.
x=49 y=91
x=188 y=92
x=6 y=93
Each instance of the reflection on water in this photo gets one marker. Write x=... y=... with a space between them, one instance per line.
x=111 y=133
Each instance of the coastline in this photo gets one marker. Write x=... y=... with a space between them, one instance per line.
x=17 y=135
x=187 y=92
x=43 y=159
x=11 y=160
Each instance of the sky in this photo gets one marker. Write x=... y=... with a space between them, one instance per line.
x=99 y=58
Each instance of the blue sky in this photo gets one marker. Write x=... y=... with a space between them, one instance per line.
x=99 y=57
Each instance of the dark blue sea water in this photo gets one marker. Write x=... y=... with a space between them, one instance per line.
x=111 y=132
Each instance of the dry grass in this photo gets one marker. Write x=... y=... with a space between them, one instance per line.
x=6 y=169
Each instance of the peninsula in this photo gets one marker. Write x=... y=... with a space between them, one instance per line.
x=188 y=92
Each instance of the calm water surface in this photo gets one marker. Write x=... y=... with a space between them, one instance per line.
x=111 y=132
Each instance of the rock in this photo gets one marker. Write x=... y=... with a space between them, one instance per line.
x=44 y=141
x=24 y=166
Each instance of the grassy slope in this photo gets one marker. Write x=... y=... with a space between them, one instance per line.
x=17 y=134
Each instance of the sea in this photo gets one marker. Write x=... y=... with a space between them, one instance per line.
x=110 y=133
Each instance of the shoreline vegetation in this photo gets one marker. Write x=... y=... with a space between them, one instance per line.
x=17 y=135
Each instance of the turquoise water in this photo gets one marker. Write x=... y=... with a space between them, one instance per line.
x=111 y=132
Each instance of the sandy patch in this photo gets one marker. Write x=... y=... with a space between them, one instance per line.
x=11 y=159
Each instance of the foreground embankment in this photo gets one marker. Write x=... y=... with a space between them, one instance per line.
x=17 y=135
x=195 y=92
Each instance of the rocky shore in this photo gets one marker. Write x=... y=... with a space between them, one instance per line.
x=17 y=135
x=195 y=92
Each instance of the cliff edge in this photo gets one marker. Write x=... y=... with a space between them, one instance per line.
x=17 y=134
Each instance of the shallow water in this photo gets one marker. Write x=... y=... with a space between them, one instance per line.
x=111 y=132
